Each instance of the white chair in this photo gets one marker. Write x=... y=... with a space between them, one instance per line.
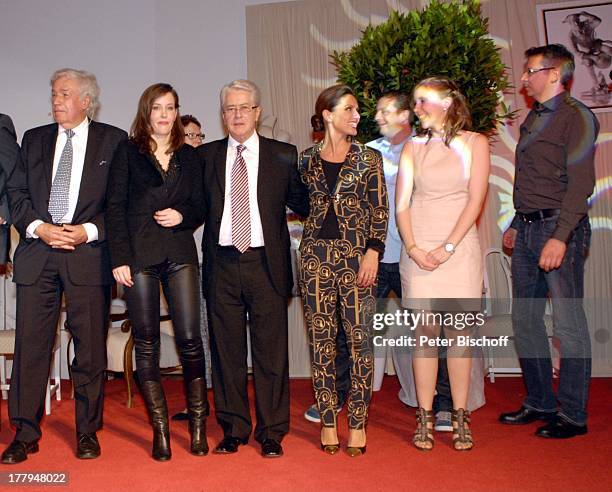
x=7 y=350
x=120 y=345
x=498 y=307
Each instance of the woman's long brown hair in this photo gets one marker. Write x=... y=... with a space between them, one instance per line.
x=140 y=132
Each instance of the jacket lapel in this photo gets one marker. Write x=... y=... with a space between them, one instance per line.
x=317 y=168
x=48 y=152
x=264 y=173
x=92 y=153
x=347 y=169
x=219 y=160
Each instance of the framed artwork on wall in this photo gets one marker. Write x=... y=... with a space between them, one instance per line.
x=585 y=28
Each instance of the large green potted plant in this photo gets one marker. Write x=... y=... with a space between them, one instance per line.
x=450 y=39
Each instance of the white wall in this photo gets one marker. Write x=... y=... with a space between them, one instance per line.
x=195 y=45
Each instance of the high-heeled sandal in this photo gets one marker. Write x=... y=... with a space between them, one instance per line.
x=423 y=438
x=462 y=436
x=354 y=451
x=330 y=448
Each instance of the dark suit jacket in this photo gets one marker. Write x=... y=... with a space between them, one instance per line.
x=136 y=191
x=278 y=186
x=9 y=153
x=30 y=186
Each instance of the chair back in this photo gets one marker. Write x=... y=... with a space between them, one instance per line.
x=497 y=282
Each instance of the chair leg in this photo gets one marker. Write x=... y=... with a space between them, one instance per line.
x=68 y=363
x=58 y=377
x=48 y=398
x=3 y=376
x=128 y=368
x=490 y=367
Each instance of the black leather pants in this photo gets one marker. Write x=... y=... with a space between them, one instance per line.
x=180 y=283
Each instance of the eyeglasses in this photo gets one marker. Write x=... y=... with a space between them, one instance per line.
x=195 y=136
x=239 y=109
x=532 y=71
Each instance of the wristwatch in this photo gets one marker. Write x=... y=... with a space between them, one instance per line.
x=449 y=248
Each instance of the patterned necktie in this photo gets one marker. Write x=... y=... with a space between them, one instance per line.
x=58 y=201
x=241 y=216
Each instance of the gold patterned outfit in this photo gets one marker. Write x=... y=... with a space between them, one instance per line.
x=328 y=273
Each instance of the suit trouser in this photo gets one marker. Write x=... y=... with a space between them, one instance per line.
x=328 y=279
x=38 y=309
x=242 y=284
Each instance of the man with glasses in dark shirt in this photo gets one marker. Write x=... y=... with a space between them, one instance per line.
x=550 y=236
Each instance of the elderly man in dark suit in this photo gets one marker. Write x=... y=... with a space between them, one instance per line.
x=9 y=151
x=248 y=182
x=57 y=197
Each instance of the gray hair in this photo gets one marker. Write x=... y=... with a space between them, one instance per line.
x=88 y=86
x=241 y=85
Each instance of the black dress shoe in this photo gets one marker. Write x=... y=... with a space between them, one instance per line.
x=88 y=446
x=561 y=429
x=525 y=416
x=271 y=448
x=18 y=451
x=229 y=445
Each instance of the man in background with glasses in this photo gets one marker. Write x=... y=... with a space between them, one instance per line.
x=193 y=130
x=550 y=236
x=248 y=181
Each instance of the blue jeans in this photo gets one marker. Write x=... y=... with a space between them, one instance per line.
x=565 y=286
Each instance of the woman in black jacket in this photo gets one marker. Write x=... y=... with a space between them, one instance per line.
x=154 y=203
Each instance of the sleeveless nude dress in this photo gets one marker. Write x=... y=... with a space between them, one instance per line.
x=441 y=180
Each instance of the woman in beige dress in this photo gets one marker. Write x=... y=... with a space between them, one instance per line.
x=441 y=188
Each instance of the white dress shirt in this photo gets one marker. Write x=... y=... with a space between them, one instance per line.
x=251 y=157
x=79 y=147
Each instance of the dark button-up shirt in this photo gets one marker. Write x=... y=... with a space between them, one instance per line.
x=555 y=161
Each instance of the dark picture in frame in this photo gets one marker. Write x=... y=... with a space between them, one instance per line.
x=585 y=28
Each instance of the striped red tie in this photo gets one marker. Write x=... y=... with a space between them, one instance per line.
x=241 y=216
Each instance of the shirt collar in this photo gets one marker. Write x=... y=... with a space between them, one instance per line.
x=251 y=144
x=551 y=104
x=78 y=130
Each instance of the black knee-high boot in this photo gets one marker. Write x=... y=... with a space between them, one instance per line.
x=155 y=399
x=197 y=409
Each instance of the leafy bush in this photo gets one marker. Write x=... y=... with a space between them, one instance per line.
x=448 y=39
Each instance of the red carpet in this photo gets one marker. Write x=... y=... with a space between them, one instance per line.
x=504 y=458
